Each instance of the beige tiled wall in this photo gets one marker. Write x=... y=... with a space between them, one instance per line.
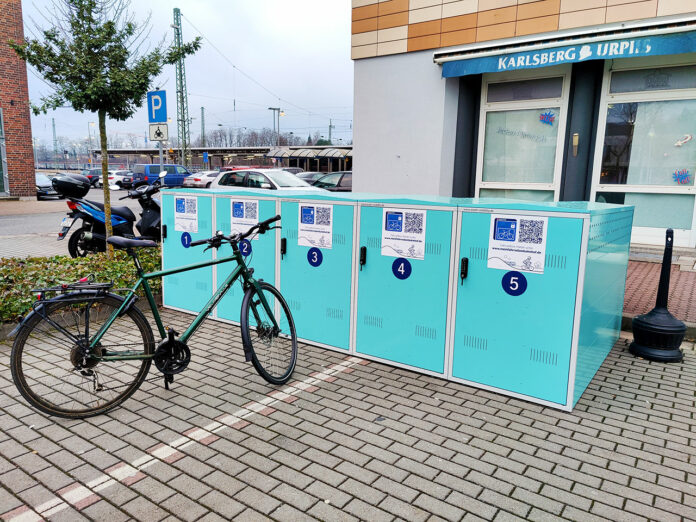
x=397 y=26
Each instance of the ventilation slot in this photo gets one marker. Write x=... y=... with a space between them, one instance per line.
x=339 y=239
x=291 y=233
x=478 y=253
x=433 y=248
x=426 y=332
x=294 y=304
x=373 y=320
x=477 y=343
x=543 y=357
x=373 y=242
x=334 y=313
x=556 y=261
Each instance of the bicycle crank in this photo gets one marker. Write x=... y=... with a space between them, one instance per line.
x=172 y=356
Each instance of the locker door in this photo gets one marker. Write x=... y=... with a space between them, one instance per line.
x=319 y=296
x=262 y=257
x=404 y=320
x=187 y=290
x=517 y=343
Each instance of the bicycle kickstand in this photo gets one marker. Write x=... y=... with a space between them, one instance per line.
x=168 y=379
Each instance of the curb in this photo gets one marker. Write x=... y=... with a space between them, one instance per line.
x=627 y=325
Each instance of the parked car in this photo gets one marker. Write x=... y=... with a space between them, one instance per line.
x=293 y=170
x=336 y=181
x=241 y=167
x=146 y=173
x=311 y=177
x=94 y=176
x=272 y=179
x=202 y=179
x=44 y=187
x=123 y=179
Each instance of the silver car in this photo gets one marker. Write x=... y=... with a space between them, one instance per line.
x=202 y=179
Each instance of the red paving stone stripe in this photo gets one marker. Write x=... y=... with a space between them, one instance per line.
x=641 y=290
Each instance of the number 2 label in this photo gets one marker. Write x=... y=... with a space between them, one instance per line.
x=245 y=247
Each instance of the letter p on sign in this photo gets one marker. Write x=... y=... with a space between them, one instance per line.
x=157 y=106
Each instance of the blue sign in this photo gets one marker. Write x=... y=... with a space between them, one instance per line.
x=401 y=267
x=505 y=229
x=245 y=247
x=307 y=214
x=157 y=106
x=315 y=257
x=186 y=239
x=238 y=209
x=180 y=205
x=205 y=157
x=658 y=45
x=395 y=222
x=514 y=283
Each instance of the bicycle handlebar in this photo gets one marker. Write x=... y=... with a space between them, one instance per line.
x=216 y=241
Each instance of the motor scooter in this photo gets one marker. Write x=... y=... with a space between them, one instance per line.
x=91 y=236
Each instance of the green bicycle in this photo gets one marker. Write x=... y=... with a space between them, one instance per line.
x=83 y=350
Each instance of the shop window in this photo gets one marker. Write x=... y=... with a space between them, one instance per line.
x=543 y=88
x=650 y=143
x=527 y=195
x=665 y=78
x=655 y=210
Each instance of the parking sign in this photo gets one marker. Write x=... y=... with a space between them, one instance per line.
x=157 y=106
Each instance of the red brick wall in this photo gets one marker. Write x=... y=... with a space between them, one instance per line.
x=14 y=101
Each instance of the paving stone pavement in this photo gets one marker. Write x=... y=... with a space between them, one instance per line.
x=351 y=439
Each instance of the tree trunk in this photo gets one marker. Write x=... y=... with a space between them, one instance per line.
x=105 y=181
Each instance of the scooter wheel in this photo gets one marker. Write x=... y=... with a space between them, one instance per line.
x=79 y=247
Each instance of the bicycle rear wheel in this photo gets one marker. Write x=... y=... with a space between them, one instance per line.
x=51 y=369
x=274 y=349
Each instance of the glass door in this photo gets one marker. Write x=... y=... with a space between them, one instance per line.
x=521 y=136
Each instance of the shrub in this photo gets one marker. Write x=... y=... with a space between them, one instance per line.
x=19 y=276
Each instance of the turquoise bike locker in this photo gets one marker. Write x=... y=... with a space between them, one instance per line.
x=402 y=308
x=262 y=256
x=316 y=273
x=187 y=291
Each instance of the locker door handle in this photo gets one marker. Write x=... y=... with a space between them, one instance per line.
x=283 y=246
x=464 y=269
x=363 y=256
x=164 y=231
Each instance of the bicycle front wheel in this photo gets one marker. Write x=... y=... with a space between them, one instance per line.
x=55 y=372
x=270 y=333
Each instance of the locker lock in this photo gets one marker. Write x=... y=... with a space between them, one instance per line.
x=464 y=269
x=164 y=231
x=363 y=256
x=283 y=246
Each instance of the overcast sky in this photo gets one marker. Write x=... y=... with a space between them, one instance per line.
x=298 y=50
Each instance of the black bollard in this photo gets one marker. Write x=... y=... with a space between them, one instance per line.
x=658 y=335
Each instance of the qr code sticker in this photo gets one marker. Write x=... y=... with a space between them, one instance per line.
x=251 y=209
x=323 y=216
x=413 y=223
x=190 y=205
x=531 y=231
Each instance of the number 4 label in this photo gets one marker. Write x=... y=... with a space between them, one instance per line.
x=401 y=268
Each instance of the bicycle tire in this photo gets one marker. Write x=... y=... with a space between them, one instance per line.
x=43 y=358
x=275 y=366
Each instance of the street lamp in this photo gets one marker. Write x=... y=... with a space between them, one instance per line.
x=277 y=113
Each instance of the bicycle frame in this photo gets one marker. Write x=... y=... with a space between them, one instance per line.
x=240 y=270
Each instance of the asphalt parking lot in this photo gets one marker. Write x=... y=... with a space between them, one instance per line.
x=349 y=439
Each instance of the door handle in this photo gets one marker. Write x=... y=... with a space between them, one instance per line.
x=164 y=231
x=463 y=269
x=363 y=256
x=283 y=246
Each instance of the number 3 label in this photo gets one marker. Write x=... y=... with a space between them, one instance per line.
x=514 y=283
x=314 y=256
x=401 y=268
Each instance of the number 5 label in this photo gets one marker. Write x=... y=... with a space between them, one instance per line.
x=514 y=283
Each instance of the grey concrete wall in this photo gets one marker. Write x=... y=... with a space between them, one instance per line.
x=404 y=126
